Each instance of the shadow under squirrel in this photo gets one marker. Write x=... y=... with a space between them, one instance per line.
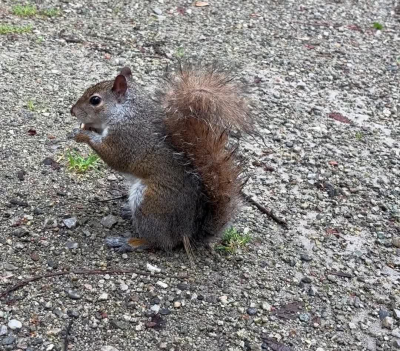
x=185 y=181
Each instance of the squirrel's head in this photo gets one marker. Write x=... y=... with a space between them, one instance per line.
x=102 y=102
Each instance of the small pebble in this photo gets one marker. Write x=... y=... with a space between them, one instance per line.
x=118 y=324
x=52 y=264
x=301 y=85
x=3 y=330
x=266 y=306
x=103 y=296
x=9 y=267
x=383 y=314
x=396 y=344
x=332 y=278
x=108 y=348
x=70 y=223
x=155 y=308
x=22 y=344
x=109 y=221
x=152 y=268
x=387 y=322
x=251 y=311
x=306 y=257
x=352 y=326
x=71 y=245
x=73 y=313
x=21 y=175
x=223 y=299
x=8 y=340
x=35 y=257
x=396 y=333
x=72 y=294
x=14 y=324
x=162 y=284
x=165 y=311
x=304 y=317
x=182 y=286
x=396 y=241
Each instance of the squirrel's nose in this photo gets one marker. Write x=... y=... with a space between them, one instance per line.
x=72 y=111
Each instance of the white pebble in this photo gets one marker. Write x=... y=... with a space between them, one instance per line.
x=155 y=308
x=108 y=348
x=162 y=284
x=103 y=297
x=388 y=322
x=3 y=330
x=14 y=324
x=152 y=268
x=223 y=299
x=352 y=325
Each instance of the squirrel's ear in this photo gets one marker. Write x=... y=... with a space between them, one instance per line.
x=126 y=72
x=120 y=86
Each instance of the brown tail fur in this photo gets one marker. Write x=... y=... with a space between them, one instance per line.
x=202 y=106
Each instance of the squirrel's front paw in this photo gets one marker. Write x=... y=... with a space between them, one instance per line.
x=79 y=135
x=74 y=133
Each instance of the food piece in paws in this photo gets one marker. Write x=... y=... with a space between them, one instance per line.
x=84 y=126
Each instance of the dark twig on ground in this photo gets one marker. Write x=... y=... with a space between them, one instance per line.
x=78 y=272
x=266 y=211
x=114 y=198
x=341 y=274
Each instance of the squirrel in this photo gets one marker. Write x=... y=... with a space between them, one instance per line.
x=185 y=180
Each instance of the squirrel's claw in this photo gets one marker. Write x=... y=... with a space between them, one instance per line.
x=74 y=133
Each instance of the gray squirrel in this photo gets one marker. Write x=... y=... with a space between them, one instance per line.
x=185 y=179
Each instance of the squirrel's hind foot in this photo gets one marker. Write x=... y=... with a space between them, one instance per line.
x=123 y=245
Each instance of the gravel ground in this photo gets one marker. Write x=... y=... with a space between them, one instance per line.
x=325 y=85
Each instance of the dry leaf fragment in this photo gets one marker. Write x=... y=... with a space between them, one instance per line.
x=290 y=310
x=32 y=132
x=339 y=117
x=201 y=4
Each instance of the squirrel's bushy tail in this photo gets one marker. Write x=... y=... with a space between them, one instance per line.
x=202 y=106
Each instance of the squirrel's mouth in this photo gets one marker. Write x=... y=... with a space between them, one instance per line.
x=87 y=126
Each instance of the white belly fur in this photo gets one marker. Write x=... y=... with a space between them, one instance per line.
x=136 y=191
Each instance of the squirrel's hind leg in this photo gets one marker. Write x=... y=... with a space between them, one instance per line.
x=126 y=212
x=123 y=245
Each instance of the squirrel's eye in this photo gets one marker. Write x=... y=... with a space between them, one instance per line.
x=95 y=100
